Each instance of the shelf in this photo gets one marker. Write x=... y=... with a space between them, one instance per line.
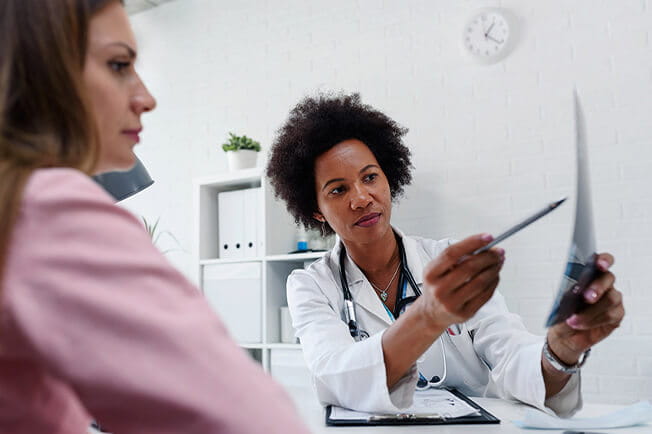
x=280 y=346
x=294 y=257
x=229 y=261
x=253 y=346
x=275 y=233
x=275 y=346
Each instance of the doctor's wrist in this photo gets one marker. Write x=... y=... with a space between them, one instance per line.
x=558 y=365
x=561 y=352
x=430 y=324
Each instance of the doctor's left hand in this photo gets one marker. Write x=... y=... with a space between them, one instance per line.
x=569 y=339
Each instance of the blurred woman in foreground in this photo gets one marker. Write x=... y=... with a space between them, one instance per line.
x=95 y=322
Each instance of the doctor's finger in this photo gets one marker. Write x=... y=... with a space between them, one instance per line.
x=456 y=303
x=469 y=269
x=478 y=284
x=455 y=252
x=474 y=304
x=605 y=261
x=599 y=287
x=612 y=317
x=608 y=310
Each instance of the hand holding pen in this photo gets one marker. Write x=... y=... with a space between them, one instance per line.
x=457 y=283
x=460 y=281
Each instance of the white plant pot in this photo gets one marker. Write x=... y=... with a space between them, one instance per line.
x=241 y=159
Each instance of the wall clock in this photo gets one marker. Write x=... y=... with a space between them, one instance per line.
x=489 y=35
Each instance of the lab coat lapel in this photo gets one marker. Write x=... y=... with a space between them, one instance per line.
x=363 y=294
x=414 y=257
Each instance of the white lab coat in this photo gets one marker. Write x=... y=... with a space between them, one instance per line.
x=493 y=355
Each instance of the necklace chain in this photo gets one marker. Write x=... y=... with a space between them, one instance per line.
x=383 y=292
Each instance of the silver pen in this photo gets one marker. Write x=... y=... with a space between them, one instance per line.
x=511 y=231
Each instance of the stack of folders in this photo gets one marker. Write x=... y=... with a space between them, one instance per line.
x=430 y=407
x=240 y=223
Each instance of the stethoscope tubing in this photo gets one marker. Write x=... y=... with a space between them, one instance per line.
x=349 y=305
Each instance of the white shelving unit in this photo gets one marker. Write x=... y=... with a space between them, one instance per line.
x=278 y=235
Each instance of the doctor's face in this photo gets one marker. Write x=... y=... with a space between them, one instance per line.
x=352 y=191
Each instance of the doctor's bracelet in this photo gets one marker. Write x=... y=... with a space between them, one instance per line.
x=561 y=366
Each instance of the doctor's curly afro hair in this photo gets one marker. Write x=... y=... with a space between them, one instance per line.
x=317 y=124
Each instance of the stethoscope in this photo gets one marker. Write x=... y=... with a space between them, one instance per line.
x=402 y=302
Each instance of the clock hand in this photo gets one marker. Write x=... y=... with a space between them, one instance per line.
x=486 y=34
x=495 y=40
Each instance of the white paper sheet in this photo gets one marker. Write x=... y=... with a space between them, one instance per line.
x=635 y=414
x=431 y=402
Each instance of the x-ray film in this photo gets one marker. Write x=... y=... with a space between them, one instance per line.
x=581 y=267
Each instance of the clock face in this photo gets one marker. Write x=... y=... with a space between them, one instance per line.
x=486 y=35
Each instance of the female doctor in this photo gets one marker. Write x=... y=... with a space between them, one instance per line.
x=383 y=313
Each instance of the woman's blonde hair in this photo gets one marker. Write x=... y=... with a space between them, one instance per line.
x=45 y=119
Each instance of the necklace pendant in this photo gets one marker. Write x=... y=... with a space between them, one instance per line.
x=383 y=296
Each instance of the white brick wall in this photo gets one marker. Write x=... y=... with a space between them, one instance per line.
x=490 y=143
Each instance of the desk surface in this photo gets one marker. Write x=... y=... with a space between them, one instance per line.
x=506 y=411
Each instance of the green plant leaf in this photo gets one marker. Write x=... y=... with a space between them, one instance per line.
x=235 y=143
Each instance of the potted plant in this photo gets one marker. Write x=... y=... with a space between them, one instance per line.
x=241 y=152
x=155 y=234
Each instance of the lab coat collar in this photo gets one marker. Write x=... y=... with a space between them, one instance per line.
x=361 y=290
x=414 y=259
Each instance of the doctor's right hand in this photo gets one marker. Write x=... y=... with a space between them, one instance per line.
x=457 y=284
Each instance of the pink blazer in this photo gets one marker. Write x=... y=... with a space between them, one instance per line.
x=95 y=323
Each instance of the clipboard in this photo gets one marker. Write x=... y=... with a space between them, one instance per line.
x=410 y=419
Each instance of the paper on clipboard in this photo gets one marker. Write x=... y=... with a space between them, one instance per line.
x=581 y=268
x=431 y=402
